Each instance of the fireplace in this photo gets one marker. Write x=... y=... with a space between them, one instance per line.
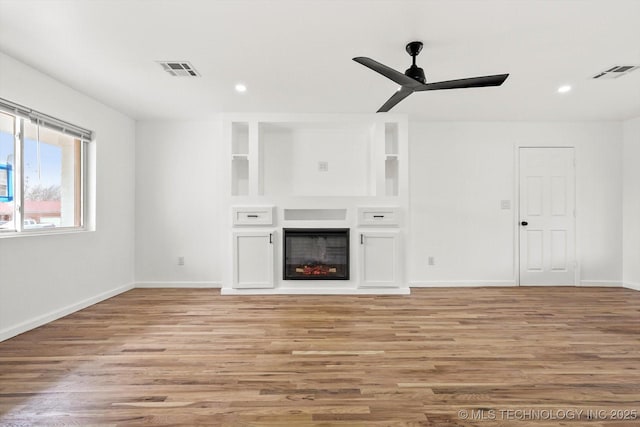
x=316 y=254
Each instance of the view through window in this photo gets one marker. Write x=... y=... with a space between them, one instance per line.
x=51 y=178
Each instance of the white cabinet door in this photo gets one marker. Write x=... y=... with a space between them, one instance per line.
x=380 y=259
x=253 y=259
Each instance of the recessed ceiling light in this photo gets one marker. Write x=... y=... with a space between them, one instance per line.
x=241 y=88
x=564 y=89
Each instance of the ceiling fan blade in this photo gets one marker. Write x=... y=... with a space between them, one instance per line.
x=495 y=80
x=400 y=94
x=388 y=72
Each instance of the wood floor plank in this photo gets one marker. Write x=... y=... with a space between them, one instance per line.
x=439 y=357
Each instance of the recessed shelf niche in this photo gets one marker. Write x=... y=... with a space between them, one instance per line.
x=240 y=176
x=239 y=159
x=391 y=159
x=391 y=176
x=315 y=214
x=239 y=138
x=391 y=138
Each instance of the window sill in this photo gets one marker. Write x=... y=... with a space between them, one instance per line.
x=49 y=232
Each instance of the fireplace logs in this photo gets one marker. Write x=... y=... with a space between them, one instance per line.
x=316 y=270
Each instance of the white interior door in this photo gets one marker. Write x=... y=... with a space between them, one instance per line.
x=547 y=216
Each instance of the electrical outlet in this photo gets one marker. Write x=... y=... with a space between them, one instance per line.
x=323 y=166
x=180 y=260
x=505 y=204
x=431 y=260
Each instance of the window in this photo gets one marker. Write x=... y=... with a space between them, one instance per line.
x=42 y=171
x=7 y=158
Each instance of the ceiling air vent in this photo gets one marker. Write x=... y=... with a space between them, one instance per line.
x=615 y=72
x=179 y=68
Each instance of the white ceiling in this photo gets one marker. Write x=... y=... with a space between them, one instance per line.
x=295 y=55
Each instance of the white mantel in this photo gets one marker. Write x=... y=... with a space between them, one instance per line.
x=315 y=171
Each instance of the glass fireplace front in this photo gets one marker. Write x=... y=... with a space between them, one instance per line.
x=316 y=254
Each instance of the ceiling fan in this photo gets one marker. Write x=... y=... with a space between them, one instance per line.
x=413 y=80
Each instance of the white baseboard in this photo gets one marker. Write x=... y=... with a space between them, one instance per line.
x=631 y=285
x=178 y=285
x=460 y=283
x=57 y=314
x=486 y=283
x=601 y=283
x=317 y=291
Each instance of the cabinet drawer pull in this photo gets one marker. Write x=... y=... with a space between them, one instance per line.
x=361 y=239
x=378 y=216
x=252 y=216
x=270 y=238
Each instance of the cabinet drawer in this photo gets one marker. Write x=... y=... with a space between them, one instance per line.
x=379 y=216
x=252 y=215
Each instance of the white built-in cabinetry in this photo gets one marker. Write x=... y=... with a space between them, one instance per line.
x=253 y=247
x=252 y=215
x=316 y=171
x=253 y=259
x=310 y=157
x=387 y=216
x=380 y=259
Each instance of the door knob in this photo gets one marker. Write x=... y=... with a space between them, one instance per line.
x=524 y=223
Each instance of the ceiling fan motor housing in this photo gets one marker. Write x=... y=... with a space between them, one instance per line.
x=416 y=73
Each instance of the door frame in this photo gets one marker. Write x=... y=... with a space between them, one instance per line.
x=516 y=215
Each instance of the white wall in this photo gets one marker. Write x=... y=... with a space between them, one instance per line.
x=631 y=204
x=291 y=157
x=460 y=172
x=44 y=277
x=346 y=153
x=177 y=199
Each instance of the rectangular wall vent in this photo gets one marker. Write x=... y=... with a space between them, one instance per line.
x=616 y=71
x=179 y=68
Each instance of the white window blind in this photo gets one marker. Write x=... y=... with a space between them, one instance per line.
x=45 y=120
x=14 y=109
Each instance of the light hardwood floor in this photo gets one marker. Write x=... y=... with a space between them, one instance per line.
x=193 y=357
